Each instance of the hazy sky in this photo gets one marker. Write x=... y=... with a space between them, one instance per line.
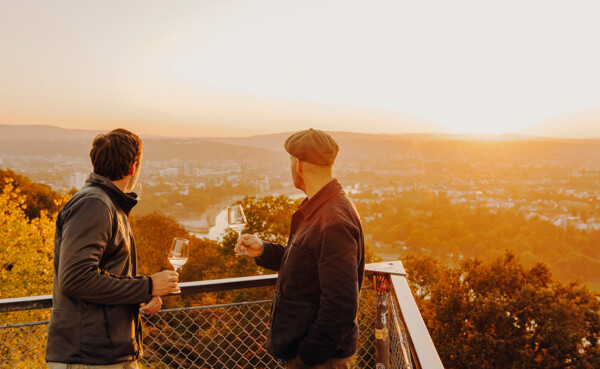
x=232 y=68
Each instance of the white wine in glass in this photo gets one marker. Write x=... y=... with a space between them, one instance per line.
x=178 y=255
x=236 y=220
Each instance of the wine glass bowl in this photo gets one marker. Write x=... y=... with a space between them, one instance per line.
x=236 y=219
x=178 y=255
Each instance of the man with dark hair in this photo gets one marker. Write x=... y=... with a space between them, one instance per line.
x=113 y=153
x=313 y=318
x=97 y=294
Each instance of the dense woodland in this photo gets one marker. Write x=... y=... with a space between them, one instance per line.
x=495 y=289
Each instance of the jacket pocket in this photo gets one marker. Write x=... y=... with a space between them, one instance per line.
x=63 y=336
x=292 y=320
x=95 y=342
x=122 y=331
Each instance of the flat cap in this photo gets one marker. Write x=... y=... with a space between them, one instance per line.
x=312 y=146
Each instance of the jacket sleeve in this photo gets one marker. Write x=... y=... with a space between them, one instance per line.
x=338 y=279
x=271 y=256
x=85 y=235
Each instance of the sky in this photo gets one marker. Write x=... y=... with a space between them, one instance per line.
x=239 y=68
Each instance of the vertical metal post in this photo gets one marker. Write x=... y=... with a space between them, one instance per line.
x=382 y=337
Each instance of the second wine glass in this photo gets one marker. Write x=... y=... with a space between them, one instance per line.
x=236 y=220
x=179 y=253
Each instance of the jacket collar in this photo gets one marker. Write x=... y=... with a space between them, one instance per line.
x=309 y=206
x=124 y=200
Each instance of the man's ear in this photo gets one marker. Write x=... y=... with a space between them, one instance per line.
x=132 y=169
x=299 y=166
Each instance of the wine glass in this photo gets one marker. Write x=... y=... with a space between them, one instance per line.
x=179 y=252
x=236 y=220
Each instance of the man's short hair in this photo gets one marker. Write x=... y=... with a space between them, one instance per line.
x=113 y=153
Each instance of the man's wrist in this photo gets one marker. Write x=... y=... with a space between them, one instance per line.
x=258 y=258
x=150 y=285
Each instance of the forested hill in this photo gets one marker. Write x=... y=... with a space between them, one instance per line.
x=438 y=146
x=48 y=141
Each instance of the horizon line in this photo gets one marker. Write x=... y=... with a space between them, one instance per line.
x=475 y=136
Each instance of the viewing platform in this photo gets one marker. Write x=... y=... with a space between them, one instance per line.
x=233 y=335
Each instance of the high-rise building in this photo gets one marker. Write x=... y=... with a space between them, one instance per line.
x=77 y=180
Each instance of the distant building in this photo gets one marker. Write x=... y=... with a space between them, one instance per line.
x=168 y=172
x=77 y=180
x=187 y=168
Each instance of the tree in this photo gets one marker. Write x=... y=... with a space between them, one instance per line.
x=501 y=315
x=26 y=255
x=26 y=247
x=38 y=197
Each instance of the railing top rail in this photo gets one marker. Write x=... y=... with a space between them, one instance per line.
x=386 y=267
x=188 y=288
x=25 y=303
x=425 y=352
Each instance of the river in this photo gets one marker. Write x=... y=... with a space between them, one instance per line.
x=217 y=231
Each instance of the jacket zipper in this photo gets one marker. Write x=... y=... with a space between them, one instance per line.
x=284 y=261
x=273 y=316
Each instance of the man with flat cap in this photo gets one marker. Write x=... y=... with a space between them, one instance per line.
x=313 y=318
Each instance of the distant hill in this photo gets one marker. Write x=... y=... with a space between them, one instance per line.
x=51 y=141
x=41 y=132
x=583 y=123
x=45 y=132
x=348 y=140
x=357 y=145
x=196 y=149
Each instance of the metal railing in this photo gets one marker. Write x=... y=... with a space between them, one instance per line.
x=233 y=335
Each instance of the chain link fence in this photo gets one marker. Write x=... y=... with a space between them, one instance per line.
x=217 y=336
x=400 y=356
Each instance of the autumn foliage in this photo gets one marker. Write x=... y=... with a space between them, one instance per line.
x=26 y=246
x=501 y=315
x=482 y=312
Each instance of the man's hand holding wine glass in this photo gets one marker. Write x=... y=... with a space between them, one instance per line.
x=165 y=282
x=249 y=245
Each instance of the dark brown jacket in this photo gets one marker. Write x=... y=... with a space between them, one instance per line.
x=320 y=276
x=96 y=292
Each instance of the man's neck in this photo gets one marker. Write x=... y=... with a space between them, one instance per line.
x=315 y=185
x=122 y=183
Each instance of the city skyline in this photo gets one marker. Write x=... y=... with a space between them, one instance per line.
x=206 y=69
